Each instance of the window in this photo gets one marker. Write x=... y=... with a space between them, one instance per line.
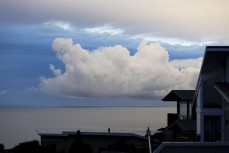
x=212 y=128
x=183 y=110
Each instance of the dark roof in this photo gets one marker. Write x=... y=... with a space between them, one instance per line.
x=214 y=60
x=217 y=47
x=111 y=134
x=184 y=125
x=177 y=95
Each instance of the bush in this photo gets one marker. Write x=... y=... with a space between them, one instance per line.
x=2 y=147
x=28 y=147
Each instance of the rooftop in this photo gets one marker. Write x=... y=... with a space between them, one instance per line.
x=214 y=58
x=178 y=95
x=184 y=125
x=109 y=134
x=214 y=61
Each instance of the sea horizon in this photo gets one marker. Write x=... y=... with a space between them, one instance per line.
x=21 y=124
x=161 y=104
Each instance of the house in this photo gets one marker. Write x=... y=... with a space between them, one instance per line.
x=193 y=147
x=181 y=126
x=185 y=109
x=97 y=141
x=211 y=96
x=210 y=106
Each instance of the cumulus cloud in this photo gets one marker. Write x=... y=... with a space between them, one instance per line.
x=186 y=63
x=113 y=72
x=55 y=71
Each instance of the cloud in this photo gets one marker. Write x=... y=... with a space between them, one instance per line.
x=174 y=41
x=197 y=20
x=32 y=89
x=61 y=24
x=56 y=72
x=186 y=63
x=113 y=72
x=4 y=92
x=105 y=29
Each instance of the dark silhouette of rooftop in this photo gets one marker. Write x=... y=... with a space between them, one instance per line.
x=178 y=95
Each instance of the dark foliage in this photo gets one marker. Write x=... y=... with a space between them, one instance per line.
x=28 y=147
x=31 y=147
x=1 y=147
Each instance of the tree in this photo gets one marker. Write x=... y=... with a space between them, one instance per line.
x=28 y=147
x=2 y=147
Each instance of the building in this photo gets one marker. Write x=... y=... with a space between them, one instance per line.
x=97 y=141
x=194 y=147
x=181 y=126
x=211 y=96
x=185 y=109
x=210 y=106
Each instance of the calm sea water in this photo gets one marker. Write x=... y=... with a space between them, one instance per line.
x=22 y=124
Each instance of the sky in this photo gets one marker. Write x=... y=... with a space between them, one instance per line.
x=84 y=52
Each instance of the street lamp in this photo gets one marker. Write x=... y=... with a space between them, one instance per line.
x=148 y=132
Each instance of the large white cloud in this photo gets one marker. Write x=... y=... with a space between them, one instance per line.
x=186 y=63
x=113 y=72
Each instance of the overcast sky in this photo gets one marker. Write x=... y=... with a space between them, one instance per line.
x=102 y=52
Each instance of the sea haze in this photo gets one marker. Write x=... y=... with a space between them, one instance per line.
x=24 y=124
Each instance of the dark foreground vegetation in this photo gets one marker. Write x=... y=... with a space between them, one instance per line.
x=26 y=147
x=77 y=147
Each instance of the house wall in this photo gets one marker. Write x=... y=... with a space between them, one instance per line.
x=226 y=125
x=226 y=105
x=199 y=125
x=211 y=98
x=209 y=102
x=102 y=142
x=97 y=143
x=57 y=143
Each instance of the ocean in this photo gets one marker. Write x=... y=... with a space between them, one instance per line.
x=23 y=124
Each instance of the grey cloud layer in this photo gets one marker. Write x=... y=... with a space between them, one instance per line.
x=185 y=19
x=113 y=72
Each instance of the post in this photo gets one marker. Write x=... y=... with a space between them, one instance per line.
x=148 y=132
